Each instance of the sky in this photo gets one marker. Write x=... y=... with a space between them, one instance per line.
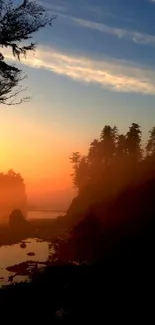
x=94 y=66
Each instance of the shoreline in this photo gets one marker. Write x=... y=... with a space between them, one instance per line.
x=38 y=228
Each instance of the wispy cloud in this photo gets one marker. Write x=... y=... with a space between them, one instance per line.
x=136 y=37
x=113 y=75
x=100 y=27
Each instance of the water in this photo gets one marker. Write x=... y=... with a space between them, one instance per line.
x=44 y=214
x=14 y=254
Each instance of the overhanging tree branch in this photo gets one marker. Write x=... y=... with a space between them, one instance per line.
x=17 y=25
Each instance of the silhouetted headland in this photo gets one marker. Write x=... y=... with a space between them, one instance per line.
x=104 y=246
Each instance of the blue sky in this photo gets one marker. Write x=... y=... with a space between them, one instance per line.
x=114 y=28
x=95 y=66
x=118 y=38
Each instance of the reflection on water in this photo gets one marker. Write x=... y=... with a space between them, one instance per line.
x=11 y=255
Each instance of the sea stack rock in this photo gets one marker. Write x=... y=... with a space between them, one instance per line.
x=17 y=220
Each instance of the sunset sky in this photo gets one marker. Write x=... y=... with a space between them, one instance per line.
x=95 y=66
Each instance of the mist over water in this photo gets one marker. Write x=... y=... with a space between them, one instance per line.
x=44 y=214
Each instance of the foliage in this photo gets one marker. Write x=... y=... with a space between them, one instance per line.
x=123 y=232
x=134 y=142
x=67 y=295
x=150 y=148
x=110 y=247
x=18 y=22
x=106 y=157
x=116 y=184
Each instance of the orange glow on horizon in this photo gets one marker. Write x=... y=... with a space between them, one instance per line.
x=40 y=155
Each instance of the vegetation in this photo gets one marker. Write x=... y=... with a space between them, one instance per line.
x=74 y=294
x=106 y=158
x=114 y=207
x=18 y=22
x=104 y=260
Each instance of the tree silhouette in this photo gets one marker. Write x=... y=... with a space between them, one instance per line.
x=10 y=78
x=94 y=151
x=150 y=148
x=80 y=174
x=121 y=145
x=75 y=160
x=108 y=143
x=95 y=161
x=18 y=22
x=115 y=212
x=134 y=142
x=110 y=163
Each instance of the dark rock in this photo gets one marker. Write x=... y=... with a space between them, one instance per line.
x=23 y=245
x=31 y=254
x=17 y=220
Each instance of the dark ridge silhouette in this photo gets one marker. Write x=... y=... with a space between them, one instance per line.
x=75 y=294
x=113 y=214
x=102 y=270
x=114 y=164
